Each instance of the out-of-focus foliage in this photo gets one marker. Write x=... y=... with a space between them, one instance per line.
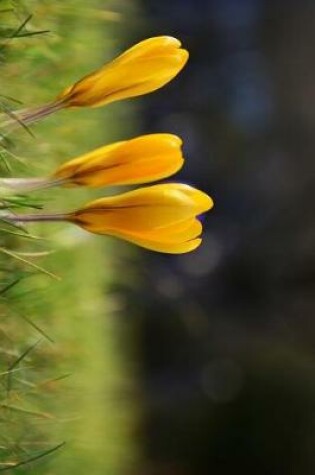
x=60 y=369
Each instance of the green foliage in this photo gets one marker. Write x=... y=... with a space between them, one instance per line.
x=60 y=371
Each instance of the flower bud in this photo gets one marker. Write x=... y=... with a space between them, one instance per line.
x=145 y=67
x=139 y=160
x=161 y=217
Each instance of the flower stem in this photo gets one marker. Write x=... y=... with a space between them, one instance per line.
x=25 y=117
x=22 y=185
x=34 y=218
x=37 y=113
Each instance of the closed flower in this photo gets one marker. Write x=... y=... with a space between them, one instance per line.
x=139 y=160
x=145 y=67
x=161 y=218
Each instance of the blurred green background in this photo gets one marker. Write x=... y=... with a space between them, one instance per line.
x=77 y=384
x=179 y=365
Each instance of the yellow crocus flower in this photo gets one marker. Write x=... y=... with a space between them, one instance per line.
x=145 y=67
x=161 y=217
x=139 y=160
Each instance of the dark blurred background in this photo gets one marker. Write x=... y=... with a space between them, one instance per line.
x=226 y=335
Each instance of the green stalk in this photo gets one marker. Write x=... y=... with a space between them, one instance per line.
x=24 y=185
x=34 y=218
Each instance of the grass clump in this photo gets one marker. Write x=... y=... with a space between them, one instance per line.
x=60 y=370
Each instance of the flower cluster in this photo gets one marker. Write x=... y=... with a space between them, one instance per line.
x=162 y=217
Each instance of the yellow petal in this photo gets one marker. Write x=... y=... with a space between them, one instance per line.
x=164 y=195
x=172 y=234
x=140 y=160
x=143 y=68
x=72 y=167
x=168 y=240
x=165 y=247
x=178 y=232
